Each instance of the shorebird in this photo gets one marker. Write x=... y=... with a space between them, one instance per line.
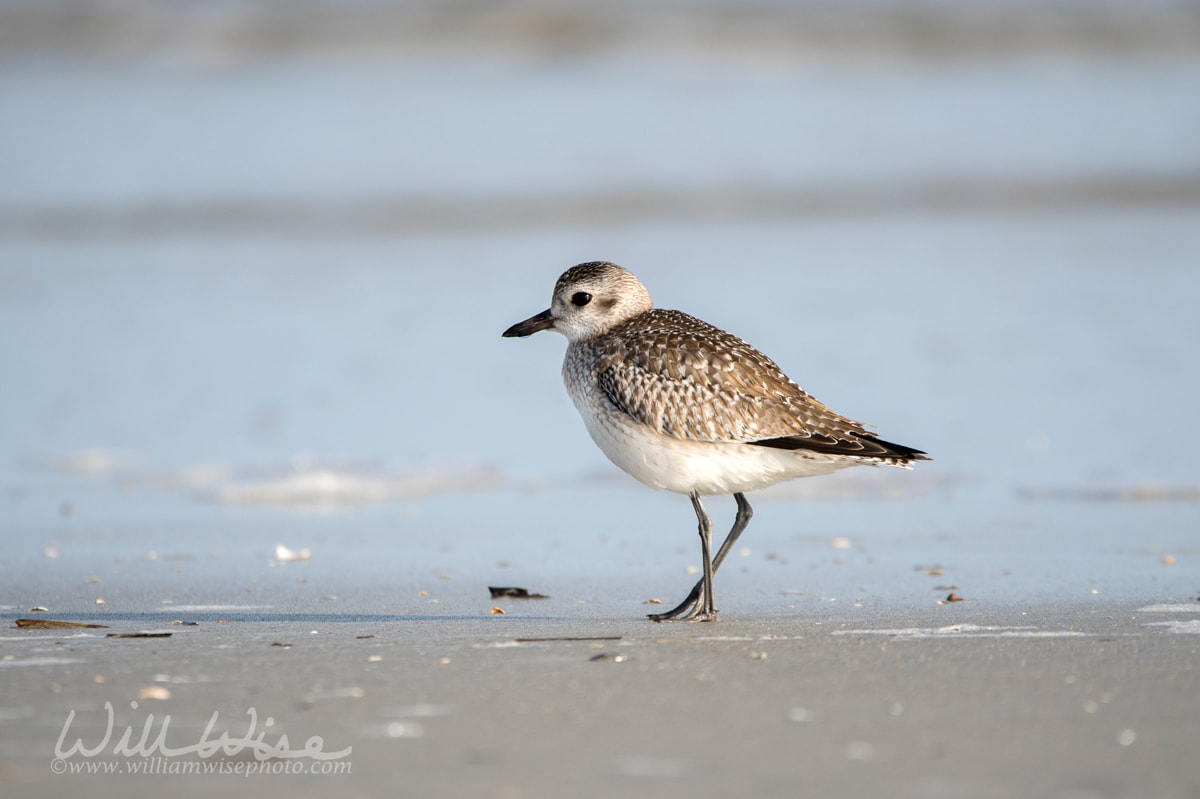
x=684 y=406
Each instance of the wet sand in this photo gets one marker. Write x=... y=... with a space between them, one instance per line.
x=1069 y=701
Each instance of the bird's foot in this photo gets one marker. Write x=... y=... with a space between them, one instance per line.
x=690 y=609
x=693 y=614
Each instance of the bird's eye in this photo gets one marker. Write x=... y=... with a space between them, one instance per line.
x=581 y=298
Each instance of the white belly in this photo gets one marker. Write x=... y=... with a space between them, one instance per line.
x=682 y=466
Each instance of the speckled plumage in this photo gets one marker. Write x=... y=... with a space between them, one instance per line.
x=684 y=406
x=688 y=379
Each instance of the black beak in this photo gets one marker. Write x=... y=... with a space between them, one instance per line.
x=543 y=321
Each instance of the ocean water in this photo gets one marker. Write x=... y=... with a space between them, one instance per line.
x=251 y=301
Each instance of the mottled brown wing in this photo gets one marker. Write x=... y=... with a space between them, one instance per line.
x=688 y=379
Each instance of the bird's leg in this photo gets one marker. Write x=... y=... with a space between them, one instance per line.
x=706 y=611
x=691 y=603
x=744 y=512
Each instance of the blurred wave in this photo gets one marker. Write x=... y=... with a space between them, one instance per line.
x=311 y=216
x=319 y=482
x=238 y=30
x=144 y=118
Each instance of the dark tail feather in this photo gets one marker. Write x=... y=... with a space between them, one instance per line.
x=859 y=446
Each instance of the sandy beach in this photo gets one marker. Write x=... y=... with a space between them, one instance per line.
x=1089 y=700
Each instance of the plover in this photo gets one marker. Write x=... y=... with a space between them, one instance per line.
x=685 y=406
